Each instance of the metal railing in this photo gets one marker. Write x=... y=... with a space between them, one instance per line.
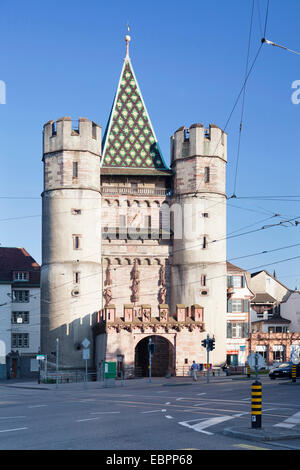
x=125 y=190
x=67 y=377
x=185 y=371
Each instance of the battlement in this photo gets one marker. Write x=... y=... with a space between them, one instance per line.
x=65 y=134
x=198 y=141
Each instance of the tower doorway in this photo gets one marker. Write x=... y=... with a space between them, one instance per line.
x=161 y=362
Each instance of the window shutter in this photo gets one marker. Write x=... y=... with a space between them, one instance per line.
x=246 y=305
x=229 y=306
x=229 y=330
x=243 y=281
x=229 y=281
x=245 y=330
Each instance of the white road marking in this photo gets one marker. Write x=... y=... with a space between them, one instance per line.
x=153 y=411
x=290 y=422
x=284 y=425
x=15 y=429
x=103 y=412
x=168 y=403
x=169 y=417
x=204 y=393
x=36 y=406
x=205 y=423
x=12 y=417
x=201 y=404
x=86 y=419
x=177 y=399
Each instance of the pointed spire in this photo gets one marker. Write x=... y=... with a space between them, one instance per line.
x=129 y=140
x=127 y=40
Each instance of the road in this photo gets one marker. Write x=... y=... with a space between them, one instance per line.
x=174 y=414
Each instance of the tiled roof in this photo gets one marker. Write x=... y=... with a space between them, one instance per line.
x=263 y=298
x=129 y=140
x=232 y=267
x=18 y=259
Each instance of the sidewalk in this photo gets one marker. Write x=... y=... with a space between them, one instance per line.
x=155 y=381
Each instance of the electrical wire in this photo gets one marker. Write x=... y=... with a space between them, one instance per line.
x=243 y=101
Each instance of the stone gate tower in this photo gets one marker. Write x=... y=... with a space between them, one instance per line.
x=198 y=272
x=71 y=237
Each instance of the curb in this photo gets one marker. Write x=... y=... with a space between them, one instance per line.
x=264 y=434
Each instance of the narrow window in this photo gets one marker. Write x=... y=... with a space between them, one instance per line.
x=76 y=211
x=206 y=174
x=77 y=277
x=76 y=242
x=94 y=131
x=203 y=280
x=204 y=242
x=75 y=169
x=205 y=214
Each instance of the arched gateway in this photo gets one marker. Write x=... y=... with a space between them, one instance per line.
x=162 y=361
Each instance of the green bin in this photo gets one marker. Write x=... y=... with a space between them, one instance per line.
x=110 y=370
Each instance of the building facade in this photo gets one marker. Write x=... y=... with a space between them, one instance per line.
x=20 y=312
x=271 y=318
x=132 y=248
x=239 y=296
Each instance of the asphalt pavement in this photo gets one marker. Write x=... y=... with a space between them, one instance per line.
x=167 y=414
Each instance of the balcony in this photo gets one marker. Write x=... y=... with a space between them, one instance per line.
x=127 y=190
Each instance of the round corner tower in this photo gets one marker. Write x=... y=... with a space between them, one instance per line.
x=71 y=278
x=199 y=275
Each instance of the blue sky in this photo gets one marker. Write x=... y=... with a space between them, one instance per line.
x=64 y=58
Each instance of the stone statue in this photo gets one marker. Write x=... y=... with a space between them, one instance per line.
x=108 y=280
x=107 y=294
x=163 y=294
x=135 y=276
x=147 y=314
x=163 y=276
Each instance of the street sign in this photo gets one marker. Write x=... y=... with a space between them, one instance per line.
x=40 y=357
x=86 y=354
x=255 y=360
x=85 y=343
x=295 y=354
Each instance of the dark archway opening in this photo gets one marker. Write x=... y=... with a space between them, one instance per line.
x=162 y=361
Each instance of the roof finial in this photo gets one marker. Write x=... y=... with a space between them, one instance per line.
x=127 y=39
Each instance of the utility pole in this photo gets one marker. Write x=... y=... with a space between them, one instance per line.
x=57 y=350
x=207 y=357
x=151 y=349
x=150 y=354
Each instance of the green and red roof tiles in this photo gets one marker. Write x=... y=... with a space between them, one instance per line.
x=129 y=141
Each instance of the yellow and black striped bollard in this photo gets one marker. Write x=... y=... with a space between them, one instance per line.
x=248 y=371
x=294 y=372
x=256 y=396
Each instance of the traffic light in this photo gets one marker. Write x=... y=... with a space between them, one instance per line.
x=212 y=344
x=204 y=343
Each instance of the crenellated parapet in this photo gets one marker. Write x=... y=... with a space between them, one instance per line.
x=64 y=134
x=106 y=321
x=198 y=141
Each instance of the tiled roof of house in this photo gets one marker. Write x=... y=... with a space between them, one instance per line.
x=18 y=259
x=232 y=267
x=263 y=298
